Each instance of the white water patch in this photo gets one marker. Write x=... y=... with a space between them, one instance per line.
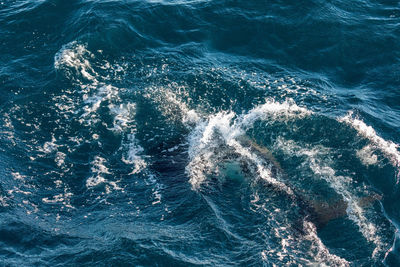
x=75 y=56
x=318 y=160
x=49 y=146
x=172 y=105
x=367 y=156
x=18 y=176
x=65 y=104
x=124 y=115
x=106 y=94
x=219 y=135
x=77 y=63
x=262 y=169
x=63 y=198
x=124 y=123
x=388 y=148
x=93 y=76
x=356 y=213
x=100 y=170
x=203 y=149
x=7 y=129
x=156 y=189
x=320 y=252
x=60 y=159
x=298 y=251
x=3 y=201
x=273 y=110
x=134 y=155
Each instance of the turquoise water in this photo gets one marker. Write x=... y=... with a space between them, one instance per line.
x=160 y=133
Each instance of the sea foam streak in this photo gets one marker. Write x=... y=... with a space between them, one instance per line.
x=388 y=148
x=273 y=110
x=319 y=250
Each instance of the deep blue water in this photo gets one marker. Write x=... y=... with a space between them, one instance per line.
x=211 y=133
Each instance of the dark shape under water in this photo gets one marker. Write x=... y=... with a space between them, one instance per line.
x=320 y=212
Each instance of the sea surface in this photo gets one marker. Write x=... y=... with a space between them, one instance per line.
x=199 y=133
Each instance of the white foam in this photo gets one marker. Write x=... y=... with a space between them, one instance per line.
x=19 y=191
x=133 y=155
x=320 y=252
x=341 y=184
x=123 y=116
x=263 y=172
x=208 y=139
x=156 y=194
x=8 y=132
x=273 y=110
x=74 y=55
x=75 y=60
x=203 y=148
x=210 y=134
x=100 y=170
x=289 y=248
x=104 y=94
x=91 y=74
x=49 y=146
x=95 y=92
x=60 y=159
x=3 y=201
x=94 y=181
x=388 y=148
x=367 y=156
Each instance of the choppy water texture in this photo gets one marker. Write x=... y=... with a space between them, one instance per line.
x=199 y=133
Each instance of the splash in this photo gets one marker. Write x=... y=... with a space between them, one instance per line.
x=106 y=94
x=274 y=111
x=75 y=57
x=218 y=137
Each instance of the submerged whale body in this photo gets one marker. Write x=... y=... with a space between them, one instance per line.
x=319 y=212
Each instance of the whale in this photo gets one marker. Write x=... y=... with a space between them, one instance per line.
x=319 y=212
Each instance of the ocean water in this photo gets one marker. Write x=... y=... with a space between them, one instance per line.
x=199 y=132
